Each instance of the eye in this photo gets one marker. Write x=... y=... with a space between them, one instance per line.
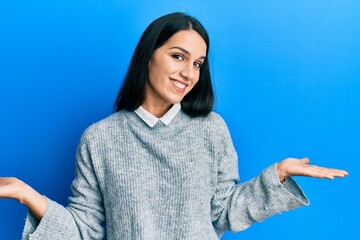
x=197 y=65
x=178 y=57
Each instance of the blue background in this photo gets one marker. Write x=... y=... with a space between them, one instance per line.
x=287 y=79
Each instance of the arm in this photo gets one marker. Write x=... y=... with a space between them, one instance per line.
x=236 y=206
x=81 y=219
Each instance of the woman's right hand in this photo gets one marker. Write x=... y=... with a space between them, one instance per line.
x=16 y=189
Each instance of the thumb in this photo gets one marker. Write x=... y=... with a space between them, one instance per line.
x=305 y=160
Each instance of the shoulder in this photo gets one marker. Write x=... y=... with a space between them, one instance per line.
x=212 y=124
x=213 y=129
x=105 y=126
x=213 y=120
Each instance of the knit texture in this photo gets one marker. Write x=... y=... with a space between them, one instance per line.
x=167 y=182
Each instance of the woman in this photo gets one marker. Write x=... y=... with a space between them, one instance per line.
x=163 y=166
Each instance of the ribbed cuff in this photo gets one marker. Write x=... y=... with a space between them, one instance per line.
x=280 y=197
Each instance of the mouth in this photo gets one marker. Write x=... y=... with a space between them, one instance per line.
x=180 y=87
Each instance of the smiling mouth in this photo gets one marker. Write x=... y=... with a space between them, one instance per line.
x=178 y=85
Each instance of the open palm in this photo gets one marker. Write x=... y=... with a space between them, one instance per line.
x=301 y=167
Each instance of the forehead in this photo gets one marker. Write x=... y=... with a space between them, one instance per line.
x=189 y=40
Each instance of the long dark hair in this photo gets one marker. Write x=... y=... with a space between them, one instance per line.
x=200 y=100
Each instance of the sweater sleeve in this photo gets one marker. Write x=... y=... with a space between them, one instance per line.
x=82 y=218
x=236 y=206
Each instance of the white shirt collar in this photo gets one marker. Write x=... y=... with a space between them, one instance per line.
x=151 y=120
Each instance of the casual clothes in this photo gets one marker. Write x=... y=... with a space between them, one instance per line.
x=175 y=181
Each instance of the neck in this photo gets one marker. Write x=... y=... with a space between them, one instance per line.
x=157 y=111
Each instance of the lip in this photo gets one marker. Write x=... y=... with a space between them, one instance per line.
x=181 y=90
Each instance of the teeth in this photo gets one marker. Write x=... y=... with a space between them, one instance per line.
x=178 y=84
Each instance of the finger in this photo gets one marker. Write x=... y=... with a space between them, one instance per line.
x=320 y=174
x=323 y=175
x=328 y=173
x=333 y=171
x=336 y=173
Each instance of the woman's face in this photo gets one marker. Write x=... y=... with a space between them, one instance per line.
x=174 y=69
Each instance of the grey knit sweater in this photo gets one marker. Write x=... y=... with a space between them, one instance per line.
x=167 y=182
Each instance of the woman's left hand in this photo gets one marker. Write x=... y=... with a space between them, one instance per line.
x=300 y=167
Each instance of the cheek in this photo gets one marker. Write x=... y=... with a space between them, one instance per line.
x=194 y=82
x=153 y=73
x=159 y=70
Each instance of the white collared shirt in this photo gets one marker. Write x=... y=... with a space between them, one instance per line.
x=151 y=120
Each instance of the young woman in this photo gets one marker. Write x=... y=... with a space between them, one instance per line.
x=163 y=166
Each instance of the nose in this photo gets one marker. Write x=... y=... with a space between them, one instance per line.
x=187 y=71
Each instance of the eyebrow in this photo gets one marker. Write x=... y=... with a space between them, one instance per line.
x=185 y=51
